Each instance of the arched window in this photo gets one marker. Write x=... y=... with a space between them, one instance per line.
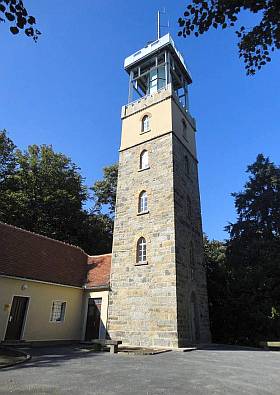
x=143 y=202
x=145 y=124
x=141 y=250
x=189 y=207
x=144 y=160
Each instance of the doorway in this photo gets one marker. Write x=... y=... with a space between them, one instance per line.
x=17 y=318
x=93 y=319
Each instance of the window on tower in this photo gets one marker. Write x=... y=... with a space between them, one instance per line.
x=141 y=251
x=184 y=127
x=161 y=77
x=144 y=160
x=157 y=78
x=143 y=202
x=145 y=124
x=153 y=81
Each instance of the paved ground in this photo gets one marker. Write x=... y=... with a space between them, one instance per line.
x=10 y=357
x=211 y=371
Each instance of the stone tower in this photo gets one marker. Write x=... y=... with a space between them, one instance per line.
x=158 y=286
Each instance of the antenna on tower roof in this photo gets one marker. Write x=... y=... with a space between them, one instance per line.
x=159 y=25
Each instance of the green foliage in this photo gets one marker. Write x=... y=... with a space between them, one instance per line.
x=100 y=224
x=7 y=170
x=14 y=12
x=258 y=206
x=253 y=253
x=7 y=158
x=43 y=191
x=255 y=43
x=217 y=283
x=45 y=194
x=96 y=235
x=243 y=274
x=105 y=190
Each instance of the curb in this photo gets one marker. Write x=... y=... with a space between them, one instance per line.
x=19 y=353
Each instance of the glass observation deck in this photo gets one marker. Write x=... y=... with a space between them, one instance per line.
x=156 y=66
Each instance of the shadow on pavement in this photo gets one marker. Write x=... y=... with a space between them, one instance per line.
x=54 y=356
x=10 y=357
x=227 y=347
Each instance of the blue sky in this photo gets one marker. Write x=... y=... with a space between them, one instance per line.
x=67 y=90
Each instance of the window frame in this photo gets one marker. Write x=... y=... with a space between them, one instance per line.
x=143 y=246
x=141 y=167
x=143 y=202
x=145 y=127
x=63 y=302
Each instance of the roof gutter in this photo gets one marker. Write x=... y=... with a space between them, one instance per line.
x=104 y=287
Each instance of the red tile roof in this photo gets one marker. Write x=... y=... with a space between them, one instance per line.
x=99 y=270
x=29 y=255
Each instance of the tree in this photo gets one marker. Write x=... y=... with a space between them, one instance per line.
x=43 y=191
x=253 y=256
x=45 y=194
x=258 y=206
x=7 y=157
x=14 y=12
x=105 y=190
x=7 y=170
x=243 y=274
x=217 y=285
x=255 y=43
x=100 y=220
x=96 y=234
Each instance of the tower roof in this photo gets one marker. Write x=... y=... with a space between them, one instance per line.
x=153 y=47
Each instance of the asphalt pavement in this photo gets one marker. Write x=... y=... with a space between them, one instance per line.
x=215 y=370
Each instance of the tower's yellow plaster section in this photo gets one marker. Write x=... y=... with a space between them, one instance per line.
x=166 y=116
x=160 y=123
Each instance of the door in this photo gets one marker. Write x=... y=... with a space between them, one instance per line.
x=93 y=319
x=16 y=318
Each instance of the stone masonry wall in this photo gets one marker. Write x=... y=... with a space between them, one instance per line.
x=164 y=302
x=191 y=278
x=142 y=305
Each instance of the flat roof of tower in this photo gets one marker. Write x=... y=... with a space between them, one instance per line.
x=154 y=46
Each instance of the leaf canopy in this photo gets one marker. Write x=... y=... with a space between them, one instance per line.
x=255 y=43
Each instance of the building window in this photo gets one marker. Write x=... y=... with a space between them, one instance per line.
x=58 y=311
x=143 y=202
x=145 y=124
x=184 y=126
x=144 y=160
x=189 y=207
x=156 y=79
x=153 y=81
x=141 y=250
